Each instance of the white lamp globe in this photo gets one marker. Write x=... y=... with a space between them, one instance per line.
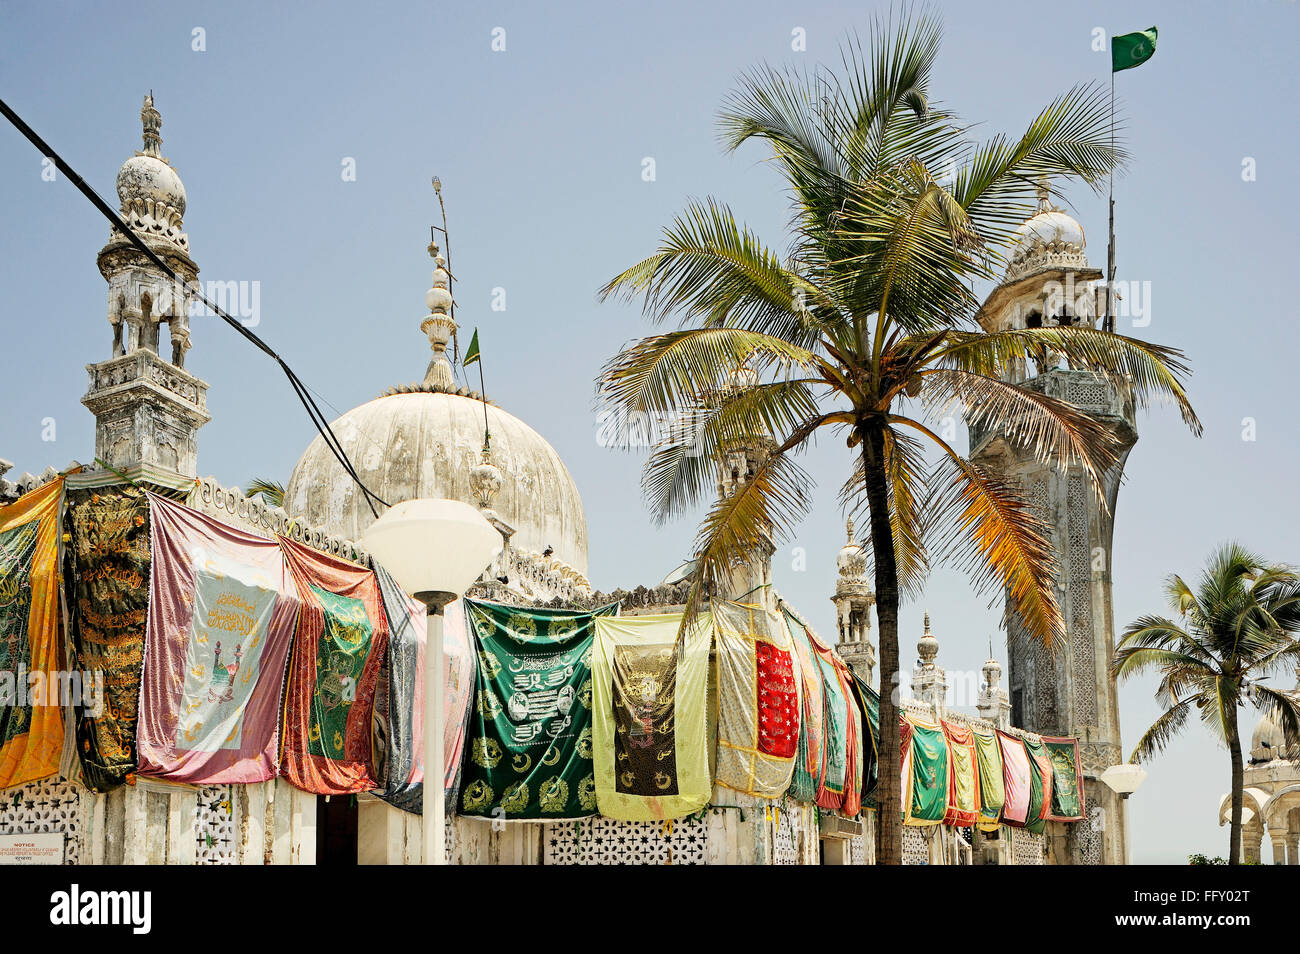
x=433 y=546
x=1124 y=779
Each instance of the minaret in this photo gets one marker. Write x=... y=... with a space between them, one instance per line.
x=148 y=410
x=1067 y=689
x=739 y=462
x=853 y=600
x=929 y=681
x=993 y=704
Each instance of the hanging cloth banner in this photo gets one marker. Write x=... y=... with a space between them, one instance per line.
x=854 y=778
x=840 y=786
x=31 y=638
x=1040 y=785
x=929 y=782
x=1015 y=780
x=651 y=700
x=222 y=610
x=108 y=554
x=869 y=702
x=1067 y=779
x=992 y=791
x=530 y=739
x=810 y=763
x=338 y=649
x=758 y=700
x=964 y=779
x=400 y=706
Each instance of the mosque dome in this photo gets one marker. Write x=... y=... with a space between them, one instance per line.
x=150 y=193
x=427 y=440
x=420 y=443
x=150 y=179
x=1269 y=743
x=1050 y=226
x=1050 y=239
x=852 y=559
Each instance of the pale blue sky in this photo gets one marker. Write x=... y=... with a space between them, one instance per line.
x=540 y=151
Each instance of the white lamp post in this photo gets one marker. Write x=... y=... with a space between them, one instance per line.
x=435 y=550
x=1124 y=780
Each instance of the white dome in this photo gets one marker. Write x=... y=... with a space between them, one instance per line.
x=150 y=179
x=1046 y=228
x=427 y=443
x=1268 y=742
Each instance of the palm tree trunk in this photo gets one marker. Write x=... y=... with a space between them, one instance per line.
x=1238 y=785
x=889 y=806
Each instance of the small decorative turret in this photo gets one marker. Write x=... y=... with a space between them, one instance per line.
x=929 y=682
x=993 y=703
x=485 y=478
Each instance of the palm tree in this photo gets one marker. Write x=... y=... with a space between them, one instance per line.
x=271 y=491
x=1239 y=627
x=868 y=318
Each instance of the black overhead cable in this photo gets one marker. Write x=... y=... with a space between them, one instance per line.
x=300 y=389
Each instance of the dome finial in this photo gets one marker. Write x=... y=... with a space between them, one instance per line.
x=151 y=121
x=1044 y=191
x=848 y=525
x=927 y=647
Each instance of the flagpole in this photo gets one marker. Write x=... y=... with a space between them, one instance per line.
x=1109 y=324
x=482 y=390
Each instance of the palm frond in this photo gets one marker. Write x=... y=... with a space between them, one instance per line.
x=684 y=467
x=712 y=270
x=1284 y=709
x=984 y=525
x=271 y=491
x=1051 y=429
x=665 y=374
x=1147 y=371
x=1162 y=732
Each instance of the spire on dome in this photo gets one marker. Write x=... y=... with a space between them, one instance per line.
x=848 y=525
x=438 y=325
x=151 y=120
x=1044 y=190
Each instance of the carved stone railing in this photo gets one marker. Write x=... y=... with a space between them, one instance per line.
x=230 y=504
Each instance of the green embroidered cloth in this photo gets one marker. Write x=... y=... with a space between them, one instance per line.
x=1040 y=786
x=530 y=735
x=1067 y=779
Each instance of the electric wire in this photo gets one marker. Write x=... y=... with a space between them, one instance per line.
x=300 y=389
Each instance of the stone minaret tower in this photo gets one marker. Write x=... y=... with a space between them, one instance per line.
x=853 y=600
x=148 y=410
x=738 y=463
x=1066 y=690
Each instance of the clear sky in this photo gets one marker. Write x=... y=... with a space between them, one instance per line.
x=540 y=148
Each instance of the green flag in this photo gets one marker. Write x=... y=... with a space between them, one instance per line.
x=1132 y=49
x=471 y=353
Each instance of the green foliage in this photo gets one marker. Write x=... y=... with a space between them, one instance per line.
x=271 y=491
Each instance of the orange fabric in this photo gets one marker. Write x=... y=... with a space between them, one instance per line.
x=32 y=752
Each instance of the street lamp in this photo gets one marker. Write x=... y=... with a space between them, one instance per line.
x=435 y=550
x=1124 y=780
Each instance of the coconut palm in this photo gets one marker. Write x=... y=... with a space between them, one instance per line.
x=1240 y=626
x=271 y=491
x=866 y=326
